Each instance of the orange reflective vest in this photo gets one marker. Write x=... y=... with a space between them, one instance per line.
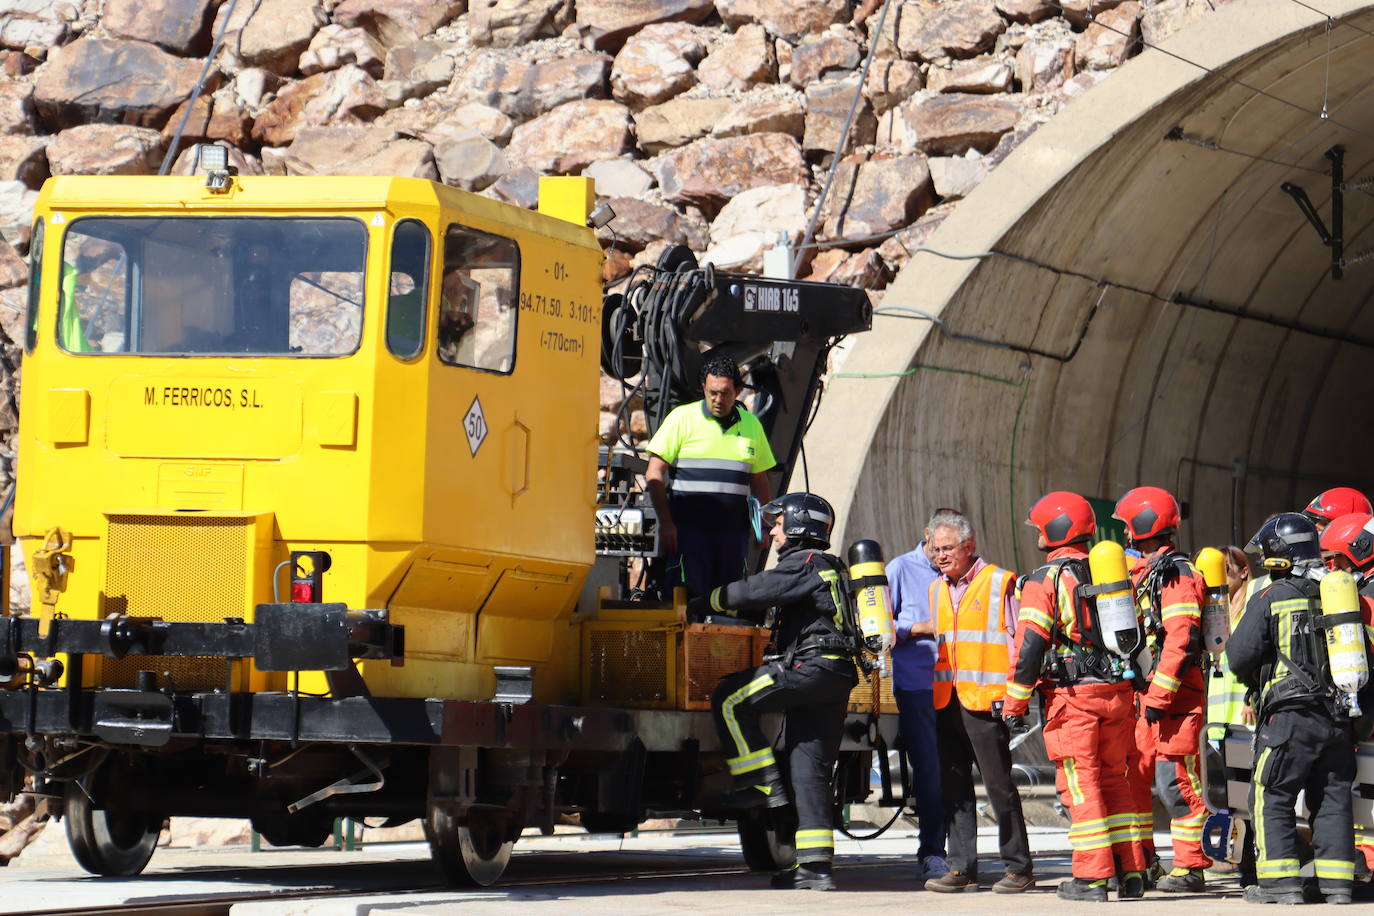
x=974 y=646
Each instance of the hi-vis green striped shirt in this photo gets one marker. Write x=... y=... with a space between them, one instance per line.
x=712 y=461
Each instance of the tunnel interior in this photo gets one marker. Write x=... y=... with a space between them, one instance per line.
x=1136 y=300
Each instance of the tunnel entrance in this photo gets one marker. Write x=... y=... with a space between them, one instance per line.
x=1133 y=298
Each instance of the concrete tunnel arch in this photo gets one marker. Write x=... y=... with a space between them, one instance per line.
x=1222 y=360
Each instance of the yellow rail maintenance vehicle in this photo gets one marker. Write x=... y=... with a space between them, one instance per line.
x=318 y=524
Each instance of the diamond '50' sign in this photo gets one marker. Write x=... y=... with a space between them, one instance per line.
x=475 y=426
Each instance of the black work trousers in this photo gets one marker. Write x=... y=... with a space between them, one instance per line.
x=812 y=693
x=1307 y=750
x=966 y=736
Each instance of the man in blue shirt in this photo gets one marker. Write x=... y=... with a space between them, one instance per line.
x=913 y=671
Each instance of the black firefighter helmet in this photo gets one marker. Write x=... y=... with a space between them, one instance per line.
x=1286 y=540
x=806 y=518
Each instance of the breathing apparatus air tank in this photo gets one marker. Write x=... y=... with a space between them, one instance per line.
x=872 y=601
x=1117 y=621
x=1343 y=623
x=1216 y=614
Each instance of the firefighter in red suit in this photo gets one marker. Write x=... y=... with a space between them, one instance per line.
x=1171 y=593
x=1089 y=703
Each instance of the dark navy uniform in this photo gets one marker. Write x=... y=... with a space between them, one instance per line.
x=1304 y=743
x=809 y=682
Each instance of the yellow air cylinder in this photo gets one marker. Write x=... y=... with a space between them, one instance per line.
x=1345 y=646
x=1216 y=614
x=868 y=583
x=1117 y=620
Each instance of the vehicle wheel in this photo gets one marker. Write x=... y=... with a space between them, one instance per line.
x=768 y=837
x=110 y=841
x=472 y=852
x=294 y=829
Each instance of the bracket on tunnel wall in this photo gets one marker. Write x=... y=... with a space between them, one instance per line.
x=1335 y=237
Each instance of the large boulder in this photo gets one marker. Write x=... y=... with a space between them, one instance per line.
x=511 y=23
x=780 y=114
x=105 y=149
x=638 y=224
x=358 y=151
x=710 y=171
x=1044 y=66
x=656 y=64
x=35 y=24
x=678 y=122
x=469 y=161
x=877 y=196
x=816 y=57
x=421 y=66
x=106 y=79
x=572 y=136
x=16 y=107
x=344 y=96
x=1027 y=10
x=24 y=159
x=522 y=90
x=950 y=125
x=333 y=46
x=609 y=22
x=742 y=61
x=270 y=34
x=397 y=22
x=180 y=26
x=220 y=116
x=891 y=82
x=619 y=178
x=16 y=213
x=959 y=30
x=790 y=20
x=770 y=211
x=1112 y=37
x=982 y=75
x=827 y=108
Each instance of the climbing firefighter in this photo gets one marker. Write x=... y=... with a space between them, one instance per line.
x=809 y=681
x=1301 y=647
x=1331 y=504
x=1067 y=647
x=1170 y=592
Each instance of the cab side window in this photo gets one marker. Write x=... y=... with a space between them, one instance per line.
x=409 y=289
x=478 y=301
x=35 y=276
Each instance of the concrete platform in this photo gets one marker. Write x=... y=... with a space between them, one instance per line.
x=651 y=873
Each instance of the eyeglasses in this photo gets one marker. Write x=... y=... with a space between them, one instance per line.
x=953 y=548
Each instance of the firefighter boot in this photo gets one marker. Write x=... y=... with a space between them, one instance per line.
x=1183 y=881
x=764 y=787
x=1083 y=890
x=1132 y=886
x=1287 y=896
x=808 y=876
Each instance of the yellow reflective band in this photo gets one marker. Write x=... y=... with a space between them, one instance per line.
x=727 y=711
x=1290 y=606
x=750 y=762
x=815 y=839
x=715 y=599
x=1036 y=616
x=1281 y=868
x=1182 y=609
x=1167 y=682
x=1071 y=777
x=1334 y=868
x=1018 y=692
x=836 y=598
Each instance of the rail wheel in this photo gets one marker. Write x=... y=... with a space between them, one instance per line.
x=767 y=836
x=106 y=837
x=473 y=851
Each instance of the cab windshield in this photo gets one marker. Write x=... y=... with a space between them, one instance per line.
x=191 y=286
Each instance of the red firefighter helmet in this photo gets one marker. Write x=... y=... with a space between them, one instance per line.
x=1347 y=536
x=1063 y=518
x=1149 y=512
x=1331 y=504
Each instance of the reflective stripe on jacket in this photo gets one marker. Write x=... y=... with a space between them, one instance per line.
x=974 y=647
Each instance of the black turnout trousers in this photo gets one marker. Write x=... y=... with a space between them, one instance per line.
x=813 y=694
x=966 y=736
x=1304 y=749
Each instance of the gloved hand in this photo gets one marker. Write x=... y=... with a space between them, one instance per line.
x=1015 y=724
x=1153 y=714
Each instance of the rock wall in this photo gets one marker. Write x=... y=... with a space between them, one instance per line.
x=709 y=123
